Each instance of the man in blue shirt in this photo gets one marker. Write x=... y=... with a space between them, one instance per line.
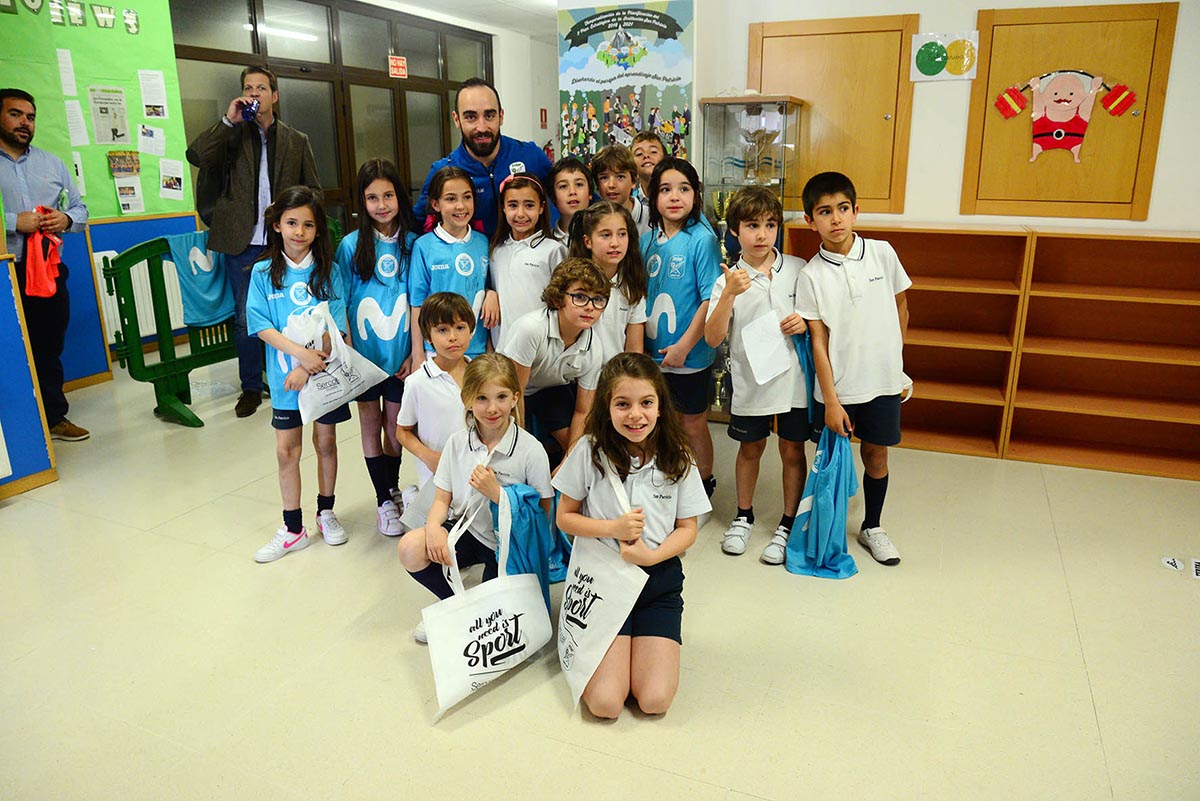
x=30 y=177
x=486 y=155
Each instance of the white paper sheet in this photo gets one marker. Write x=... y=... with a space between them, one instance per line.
x=170 y=179
x=79 y=184
x=765 y=347
x=76 y=127
x=5 y=464
x=66 y=72
x=129 y=194
x=152 y=140
x=154 y=94
x=110 y=122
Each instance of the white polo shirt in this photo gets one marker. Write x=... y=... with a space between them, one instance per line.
x=433 y=403
x=855 y=297
x=617 y=316
x=774 y=295
x=535 y=342
x=518 y=458
x=520 y=271
x=641 y=216
x=662 y=501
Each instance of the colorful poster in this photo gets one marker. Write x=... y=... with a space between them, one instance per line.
x=625 y=69
x=944 y=56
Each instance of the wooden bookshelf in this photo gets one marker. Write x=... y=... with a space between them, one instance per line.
x=1108 y=367
x=964 y=307
x=1075 y=347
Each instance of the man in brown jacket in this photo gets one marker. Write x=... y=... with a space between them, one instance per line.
x=258 y=161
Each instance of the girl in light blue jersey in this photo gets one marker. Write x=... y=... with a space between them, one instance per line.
x=683 y=261
x=453 y=257
x=373 y=262
x=296 y=275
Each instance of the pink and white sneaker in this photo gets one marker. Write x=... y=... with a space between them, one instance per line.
x=389 y=520
x=283 y=543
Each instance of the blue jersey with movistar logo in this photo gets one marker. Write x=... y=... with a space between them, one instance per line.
x=681 y=274
x=377 y=309
x=441 y=266
x=268 y=307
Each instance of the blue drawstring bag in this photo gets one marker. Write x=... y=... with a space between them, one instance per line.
x=817 y=544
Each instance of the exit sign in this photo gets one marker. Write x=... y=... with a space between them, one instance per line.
x=397 y=67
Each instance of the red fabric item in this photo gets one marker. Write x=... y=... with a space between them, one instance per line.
x=41 y=262
x=431 y=222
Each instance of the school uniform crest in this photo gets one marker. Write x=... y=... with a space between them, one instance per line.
x=387 y=265
x=654 y=265
x=675 y=266
x=464 y=264
x=516 y=167
x=299 y=294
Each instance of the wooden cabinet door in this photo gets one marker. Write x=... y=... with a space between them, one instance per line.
x=853 y=76
x=1118 y=50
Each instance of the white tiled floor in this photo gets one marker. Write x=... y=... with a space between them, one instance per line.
x=1030 y=646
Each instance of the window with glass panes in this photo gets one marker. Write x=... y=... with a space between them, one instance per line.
x=331 y=57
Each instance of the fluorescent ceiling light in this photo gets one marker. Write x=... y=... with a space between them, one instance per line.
x=284 y=33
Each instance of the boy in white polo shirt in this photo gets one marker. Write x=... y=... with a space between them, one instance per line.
x=750 y=303
x=558 y=356
x=852 y=295
x=432 y=408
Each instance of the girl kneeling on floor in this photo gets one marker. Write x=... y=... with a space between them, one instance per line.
x=633 y=429
x=492 y=452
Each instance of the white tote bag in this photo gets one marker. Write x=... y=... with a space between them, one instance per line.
x=479 y=634
x=347 y=373
x=600 y=593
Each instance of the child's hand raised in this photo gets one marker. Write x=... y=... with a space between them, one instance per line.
x=737 y=281
x=629 y=526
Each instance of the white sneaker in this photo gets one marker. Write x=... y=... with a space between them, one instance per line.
x=419 y=634
x=389 y=520
x=408 y=496
x=283 y=543
x=776 y=551
x=734 y=541
x=876 y=541
x=330 y=528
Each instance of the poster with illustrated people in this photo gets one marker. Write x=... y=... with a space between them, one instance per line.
x=625 y=69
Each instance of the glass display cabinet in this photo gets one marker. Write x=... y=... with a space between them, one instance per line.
x=748 y=141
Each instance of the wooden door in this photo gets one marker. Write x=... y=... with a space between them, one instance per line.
x=853 y=74
x=1119 y=50
x=1126 y=45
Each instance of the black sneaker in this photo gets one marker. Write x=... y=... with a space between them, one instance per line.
x=248 y=403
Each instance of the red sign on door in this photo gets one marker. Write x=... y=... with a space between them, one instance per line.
x=397 y=67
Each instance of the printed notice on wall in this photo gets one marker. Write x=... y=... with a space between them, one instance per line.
x=110 y=123
x=129 y=194
x=154 y=94
x=79 y=184
x=76 y=127
x=170 y=179
x=66 y=72
x=152 y=140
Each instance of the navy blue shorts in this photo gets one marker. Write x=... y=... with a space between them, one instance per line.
x=470 y=551
x=877 y=421
x=551 y=408
x=690 y=391
x=286 y=419
x=658 y=611
x=391 y=389
x=791 y=425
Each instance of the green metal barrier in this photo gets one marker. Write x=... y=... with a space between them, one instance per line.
x=208 y=345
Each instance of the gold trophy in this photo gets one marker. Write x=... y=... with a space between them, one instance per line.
x=720 y=200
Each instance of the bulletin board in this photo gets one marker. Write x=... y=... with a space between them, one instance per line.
x=105 y=75
x=1093 y=161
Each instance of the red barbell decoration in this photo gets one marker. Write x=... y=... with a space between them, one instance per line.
x=1011 y=102
x=1120 y=98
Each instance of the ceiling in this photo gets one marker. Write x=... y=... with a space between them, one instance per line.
x=534 y=18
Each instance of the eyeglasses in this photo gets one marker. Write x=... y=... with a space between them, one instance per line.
x=581 y=300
